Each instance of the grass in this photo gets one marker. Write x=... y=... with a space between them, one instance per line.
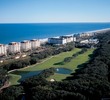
x=14 y=79
x=80 y=59
x=50 y=62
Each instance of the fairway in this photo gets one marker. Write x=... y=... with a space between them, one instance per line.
x=50 y=62
x=80 y=59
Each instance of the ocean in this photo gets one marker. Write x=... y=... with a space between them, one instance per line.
x=18 y=32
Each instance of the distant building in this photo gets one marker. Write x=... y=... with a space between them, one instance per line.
x=25 y=45
x=90 y=41
x=61 y=40
x=74 y=39
x=87 y=34
x=14 y=47
x=93 y=41
x=68 y=38
x=84 y=41
x=35 y=44
x=3 y=50
x=57 y=40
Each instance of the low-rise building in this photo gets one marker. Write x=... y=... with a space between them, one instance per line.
x=93 y=41
x=68 y=38
x=14 y=47
x=89 y=41
x=84 y=41
x=61 y=40
x=35 y=44
x=3 y=50
x=57 y=40
x=25 y=45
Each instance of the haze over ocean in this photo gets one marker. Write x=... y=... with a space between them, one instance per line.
x=19 y=32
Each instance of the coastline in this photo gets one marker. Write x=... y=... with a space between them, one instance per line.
x=94 y=31
x=43 y=40
x=97 y=31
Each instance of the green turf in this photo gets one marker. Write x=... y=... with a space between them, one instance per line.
x=51 y=61
x=83 y=58
x=14 y=79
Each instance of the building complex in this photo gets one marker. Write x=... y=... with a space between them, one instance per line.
x=61 y=40
x=17 y=47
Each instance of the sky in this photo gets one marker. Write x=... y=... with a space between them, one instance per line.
x=53 y=11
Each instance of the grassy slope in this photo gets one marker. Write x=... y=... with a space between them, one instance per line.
x=49 y=62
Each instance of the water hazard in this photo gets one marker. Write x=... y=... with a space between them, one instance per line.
x=34 y=73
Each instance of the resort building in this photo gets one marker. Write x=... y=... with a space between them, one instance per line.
x=68 y=38
x=89 y=41
x=87 y=34
x=61 y=40
x=3 y=50
x=25 y=45
x=35 y=43
x=84 y=41
x=57 y=41
x=14 y=47
x=93 y=41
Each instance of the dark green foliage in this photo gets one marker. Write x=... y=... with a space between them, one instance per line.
x=3 y=77
x=12 y=93
x=33 y=60
x=67 y=59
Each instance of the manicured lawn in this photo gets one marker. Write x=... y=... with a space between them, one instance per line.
x=51 y=62
x=80 y=59
x=14 y=78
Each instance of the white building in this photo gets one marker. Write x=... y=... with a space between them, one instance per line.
x=84 y=41
x=25 y=45
x=90 y=41
x=14 y=47
x=93 y=41
x=35 y=43
x=61 y=40
x=57 y=40
x=3 y=50
x=74 y=39
x=68 y=38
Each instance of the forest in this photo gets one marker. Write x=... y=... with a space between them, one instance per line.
x=91 y=81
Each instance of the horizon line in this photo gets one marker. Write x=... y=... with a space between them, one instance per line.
x=45 y=22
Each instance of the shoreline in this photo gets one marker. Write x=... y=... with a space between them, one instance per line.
x=43 y=40
x=100 y=30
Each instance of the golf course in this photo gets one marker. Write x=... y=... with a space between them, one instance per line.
x=53 y=61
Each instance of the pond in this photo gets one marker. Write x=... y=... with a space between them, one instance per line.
x=33 y=73
x=63 y=71
x=29 y=74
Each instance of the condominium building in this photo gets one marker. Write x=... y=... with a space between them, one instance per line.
x=14 y=47
x=3 y=50
x=35 y=43
x=25 y=45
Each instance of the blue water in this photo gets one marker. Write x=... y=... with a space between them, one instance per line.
x=63 y=71
x=34 y=73
x=19 y=32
